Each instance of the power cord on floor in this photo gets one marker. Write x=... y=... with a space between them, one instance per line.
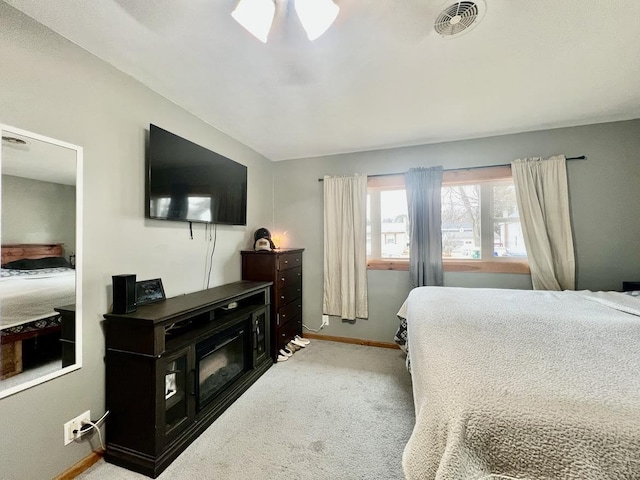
x=88 y=425
x=313 y=330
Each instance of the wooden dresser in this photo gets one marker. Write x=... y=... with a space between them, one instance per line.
x=283 y=267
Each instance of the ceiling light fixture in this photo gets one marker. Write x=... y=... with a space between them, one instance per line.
x=316 y=16
x=256 y=16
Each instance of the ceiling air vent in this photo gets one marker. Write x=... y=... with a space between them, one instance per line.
x=14 y=140
x=458 y=18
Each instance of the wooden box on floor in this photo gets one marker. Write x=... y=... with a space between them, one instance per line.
x=11 y=359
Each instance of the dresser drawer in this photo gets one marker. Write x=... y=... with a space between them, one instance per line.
x=289 y=278
x=288 y=332
x=289 y=260
x=288 y=294
x=286 y=313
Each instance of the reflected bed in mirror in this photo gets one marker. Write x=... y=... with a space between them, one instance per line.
x=40 y=274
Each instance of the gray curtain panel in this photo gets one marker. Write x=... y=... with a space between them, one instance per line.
x=424 y=187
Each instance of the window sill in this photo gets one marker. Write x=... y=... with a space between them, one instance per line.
x=469 y=266
x=397 y=264
x=487 y=266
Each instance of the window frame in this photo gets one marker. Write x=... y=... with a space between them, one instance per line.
x=462 y=176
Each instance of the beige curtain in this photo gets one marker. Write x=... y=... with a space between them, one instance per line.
x=345 y=236
x=543 y=203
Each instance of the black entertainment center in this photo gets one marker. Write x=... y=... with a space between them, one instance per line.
x=174 y=366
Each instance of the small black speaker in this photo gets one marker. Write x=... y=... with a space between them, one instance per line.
x=124 y=293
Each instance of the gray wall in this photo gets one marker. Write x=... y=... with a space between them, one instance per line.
x=38 y=212
x=604 y=196
x=52 y=87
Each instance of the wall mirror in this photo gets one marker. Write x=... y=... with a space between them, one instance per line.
x=41 y=268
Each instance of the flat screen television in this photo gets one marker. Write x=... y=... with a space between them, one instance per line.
x=189 y=183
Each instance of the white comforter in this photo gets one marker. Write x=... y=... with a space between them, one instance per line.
x=524 y=384
x=31 y=297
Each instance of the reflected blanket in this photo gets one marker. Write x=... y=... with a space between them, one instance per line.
x=28 y=295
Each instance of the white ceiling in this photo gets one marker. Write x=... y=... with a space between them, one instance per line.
x=380 y=77
x=37 y=159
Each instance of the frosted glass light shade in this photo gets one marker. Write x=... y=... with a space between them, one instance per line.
x=256 y=16
x=316 y=16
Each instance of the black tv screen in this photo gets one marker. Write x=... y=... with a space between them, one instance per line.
x=189 y=183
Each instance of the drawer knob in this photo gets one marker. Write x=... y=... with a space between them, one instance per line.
x=286 y=261
x=282 y=297
x=282 y=279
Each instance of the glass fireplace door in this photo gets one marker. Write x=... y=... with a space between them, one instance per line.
x=175 y=392
x=260 y=336
x=220 y=361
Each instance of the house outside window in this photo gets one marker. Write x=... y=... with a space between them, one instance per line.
x=480 y=225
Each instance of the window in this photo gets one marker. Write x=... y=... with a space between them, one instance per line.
x=480 y=224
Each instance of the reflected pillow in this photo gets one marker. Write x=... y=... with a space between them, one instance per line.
x=37 y=263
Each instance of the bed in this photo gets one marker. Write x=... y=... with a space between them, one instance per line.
x=34 y=279
x=514 y=384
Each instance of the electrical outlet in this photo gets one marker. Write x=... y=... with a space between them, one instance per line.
x=325 y=321
x=75 y=424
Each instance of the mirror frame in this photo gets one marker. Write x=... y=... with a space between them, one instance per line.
x=78 y=259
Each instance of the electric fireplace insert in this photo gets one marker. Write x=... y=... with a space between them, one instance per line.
x=220 y=360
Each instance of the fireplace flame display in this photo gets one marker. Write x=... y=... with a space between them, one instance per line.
x=221 y=360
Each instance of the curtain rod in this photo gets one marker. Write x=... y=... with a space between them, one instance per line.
x=581 y=157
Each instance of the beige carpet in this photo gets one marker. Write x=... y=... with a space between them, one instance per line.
x=332 y=411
